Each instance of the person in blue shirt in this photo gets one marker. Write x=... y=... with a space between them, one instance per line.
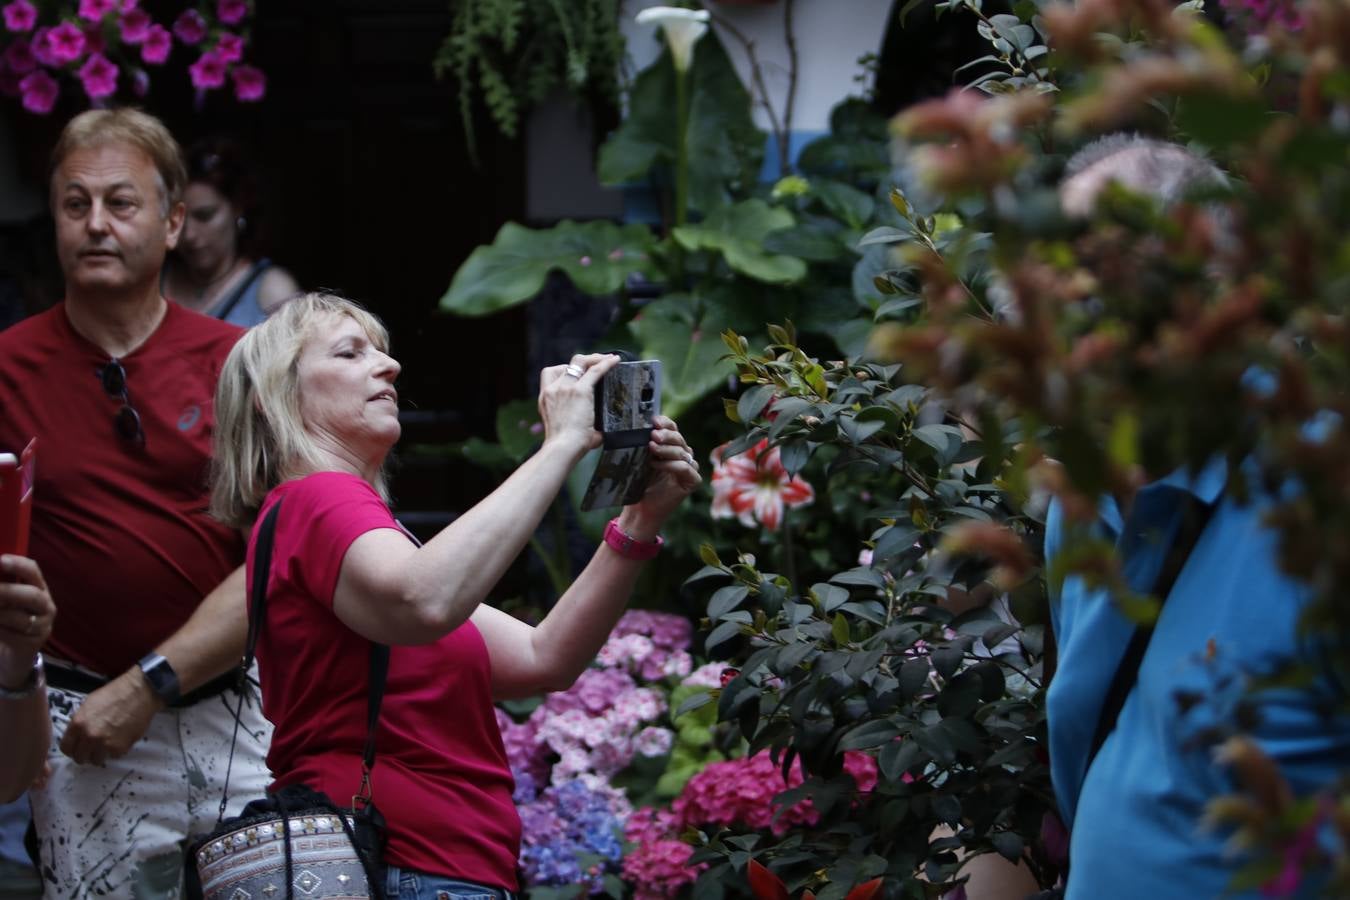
x=1136 y=810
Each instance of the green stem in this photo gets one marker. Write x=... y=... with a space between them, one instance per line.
x=789 y=560
x=681 y=148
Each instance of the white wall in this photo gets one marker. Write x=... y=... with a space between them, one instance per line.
x=830 y=36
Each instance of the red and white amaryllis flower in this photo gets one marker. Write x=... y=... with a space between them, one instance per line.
x=754 y=487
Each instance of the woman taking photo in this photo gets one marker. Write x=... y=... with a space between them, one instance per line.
x=307 y=413
x=214 y=269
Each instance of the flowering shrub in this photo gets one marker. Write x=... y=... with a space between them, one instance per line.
x=106 y=45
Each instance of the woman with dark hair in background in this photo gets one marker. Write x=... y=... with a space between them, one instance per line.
x=215 y=269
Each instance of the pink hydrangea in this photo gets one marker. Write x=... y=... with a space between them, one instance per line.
x=20 y=16
x=742 y=791
x=190 y=28
x=208 y=72
x=65 y=43
x=231 y=12
x=230 y=46
x=19 y=57
x=677 y=665
x=99 y=77
x=156 y=46
x=653 y=741
x=135 y=25
x=708 y=675
x=658 y=866
x=95 y=10
x=39 y=92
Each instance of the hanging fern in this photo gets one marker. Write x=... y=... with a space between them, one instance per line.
x=509 y=54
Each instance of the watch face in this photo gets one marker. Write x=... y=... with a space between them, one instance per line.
x=161 y=678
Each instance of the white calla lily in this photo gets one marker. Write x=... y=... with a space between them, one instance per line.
x=682 y=27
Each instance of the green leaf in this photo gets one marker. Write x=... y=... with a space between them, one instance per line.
x=1221 y=119
x=489 y=456
x=913 y=676
x=947 y=808
x=839 y=630
x=726 y=599
x=710 y=559
x=830 y=597
x=886 y=234
x=844 y=201
x=721 y=634
x=598 y=256
x=690 y=352
x=1008 y=844
x=727 y=147
x=810 y=242
x=753 y=401
x=737 y=232
x=515 y=421
x=703 y=698
x=868 y=735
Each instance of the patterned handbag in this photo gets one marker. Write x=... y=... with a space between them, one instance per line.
x=295 y=842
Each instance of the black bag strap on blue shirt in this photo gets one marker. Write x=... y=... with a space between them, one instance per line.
x=1195 y=515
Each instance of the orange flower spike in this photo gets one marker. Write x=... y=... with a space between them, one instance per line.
x=765 y=884
x=865 y=891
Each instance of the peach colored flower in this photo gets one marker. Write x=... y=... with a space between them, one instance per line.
x=754 y=487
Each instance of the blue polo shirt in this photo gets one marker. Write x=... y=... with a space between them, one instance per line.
x=1136 y=817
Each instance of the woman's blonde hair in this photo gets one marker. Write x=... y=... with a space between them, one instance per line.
x=260 y=438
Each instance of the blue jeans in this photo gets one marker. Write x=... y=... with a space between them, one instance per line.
x=410 y=884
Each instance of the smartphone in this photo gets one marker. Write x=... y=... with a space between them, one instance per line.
x=627 y=402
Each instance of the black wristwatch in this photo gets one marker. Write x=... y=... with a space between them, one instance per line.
x=161 y=677
x=35 y=680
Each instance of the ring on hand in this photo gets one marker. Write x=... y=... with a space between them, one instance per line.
x=574 y=371
x=32 y=624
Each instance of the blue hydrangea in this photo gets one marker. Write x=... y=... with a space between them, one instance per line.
x=563 y=823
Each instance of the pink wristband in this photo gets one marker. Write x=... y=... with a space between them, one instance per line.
x=629 y=547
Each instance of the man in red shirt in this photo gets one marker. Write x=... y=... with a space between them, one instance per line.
x=117 y=386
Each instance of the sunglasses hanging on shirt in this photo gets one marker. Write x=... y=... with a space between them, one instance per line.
x=126 y=421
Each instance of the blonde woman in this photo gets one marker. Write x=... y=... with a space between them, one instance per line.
x=307 y=412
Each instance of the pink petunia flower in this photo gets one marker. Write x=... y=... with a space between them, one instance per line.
x=208 y=72
x=230 y=46
x=65 y=43
x=754 y=487
x=42 y=48
x=156 y=46
x=19 y=57
x=250 y=84
x=135 y=25
x=231 y=12
x=39 y=92
x=190 y=27
x=129 y=5
x=95 y=10
x=20 y=16
x=99 y=77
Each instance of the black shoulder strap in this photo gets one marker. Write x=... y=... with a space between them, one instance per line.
x=227 y=307
x=379 y=656
x=1195 y=516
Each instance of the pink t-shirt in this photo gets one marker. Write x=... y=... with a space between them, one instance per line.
x=441 y=778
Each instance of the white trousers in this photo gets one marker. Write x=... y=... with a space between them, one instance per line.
x=121 y=829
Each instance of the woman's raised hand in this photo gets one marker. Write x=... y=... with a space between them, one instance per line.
x=674 y=475
x=567 y=399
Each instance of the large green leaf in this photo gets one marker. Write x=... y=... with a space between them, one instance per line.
x=726 y=150
x=738 y=232
x=690 y=349
x=597 y=256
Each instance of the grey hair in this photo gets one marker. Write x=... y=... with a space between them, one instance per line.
x=260 y=439
x=1164 y=171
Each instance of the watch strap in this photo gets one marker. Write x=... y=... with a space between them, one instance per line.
x=628 y=546
x=36 y=679
x=161 y=677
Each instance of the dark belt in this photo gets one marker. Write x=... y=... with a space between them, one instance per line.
x=67 y=679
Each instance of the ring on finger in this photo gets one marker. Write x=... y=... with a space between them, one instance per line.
x=32 y=624
x=573 y=371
